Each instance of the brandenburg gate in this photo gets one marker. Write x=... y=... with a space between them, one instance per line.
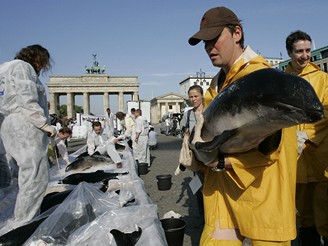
x=94 y=82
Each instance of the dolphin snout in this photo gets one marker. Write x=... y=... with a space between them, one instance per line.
x=315 y=115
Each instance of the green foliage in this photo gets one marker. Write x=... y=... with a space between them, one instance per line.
x=78 y=109
x=63 y=110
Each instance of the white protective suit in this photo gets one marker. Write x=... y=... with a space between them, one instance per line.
x=109 y=122
x=24 y=104
x=103 y=144
x=129 y=131
x=129 y=123
x=142 y=148
x=152 y=138
x=62 y=149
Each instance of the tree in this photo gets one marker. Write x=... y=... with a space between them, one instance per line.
x=63 y=110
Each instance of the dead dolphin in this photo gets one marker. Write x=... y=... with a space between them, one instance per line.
x=52 y=236
x=75 y=223
x=126 y=239
x=19 y=235
x=253 y=108
x=86 y=162
x=53 y=199
x=93 y=177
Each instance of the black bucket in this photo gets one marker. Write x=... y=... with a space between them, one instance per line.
x=174 y=231
x=164 y=181
x=142 y=168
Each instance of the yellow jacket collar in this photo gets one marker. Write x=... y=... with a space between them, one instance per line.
x=309 y=68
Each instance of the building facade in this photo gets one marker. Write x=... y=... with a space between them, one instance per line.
x=199 y=79
x=90 y=84
x=168 y=103
x=274 y=62
x=95 y=81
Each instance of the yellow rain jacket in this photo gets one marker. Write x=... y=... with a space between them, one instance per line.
x=256 y=195
x=313 y=161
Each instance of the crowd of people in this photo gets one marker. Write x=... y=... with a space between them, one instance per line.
x=135 y=129
x=103 y=133
x=172 y=125
x=260 y=196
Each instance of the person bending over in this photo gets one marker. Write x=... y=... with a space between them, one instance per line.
x=103 y=142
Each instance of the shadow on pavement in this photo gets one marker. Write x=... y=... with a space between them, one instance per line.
x=194 y=219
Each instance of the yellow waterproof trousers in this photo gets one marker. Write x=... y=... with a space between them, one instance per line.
x=312 y=206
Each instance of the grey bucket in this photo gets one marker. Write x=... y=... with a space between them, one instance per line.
x=142 y=168
x=164 y=181
x=174 y=229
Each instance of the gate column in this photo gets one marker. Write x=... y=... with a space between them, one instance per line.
x=106 y=101
x=86 y=103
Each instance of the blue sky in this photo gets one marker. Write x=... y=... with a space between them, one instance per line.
x=146 y=38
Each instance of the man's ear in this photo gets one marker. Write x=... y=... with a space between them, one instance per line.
x=238 y=34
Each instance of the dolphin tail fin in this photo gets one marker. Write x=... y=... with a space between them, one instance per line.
x=217 y=141
x=124 y=239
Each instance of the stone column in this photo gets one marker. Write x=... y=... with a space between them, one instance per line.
x=166 y=107
x=120 y=101
x=70 y=105
x=106 y=101
x=57 y=104
x=177 y=108
x=135 y=96
x=86 y=103
x=52 y=101
x=159 y=112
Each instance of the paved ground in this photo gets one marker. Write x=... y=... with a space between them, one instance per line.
x=179 y=198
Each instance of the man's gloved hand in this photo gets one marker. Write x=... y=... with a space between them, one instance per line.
x=115 y=140
x=121 y=137
x=51 y=130
x=301 y=138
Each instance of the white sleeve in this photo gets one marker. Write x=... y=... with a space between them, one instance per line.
x=62 y=149
x=138 y=126
x=90 y=143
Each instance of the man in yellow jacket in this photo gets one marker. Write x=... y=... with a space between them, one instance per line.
x=254 y=196
x=312 y=185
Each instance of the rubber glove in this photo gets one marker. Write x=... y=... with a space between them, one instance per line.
x=51 y=130
x=301 y=138
x=67 y=162
x=115 y=140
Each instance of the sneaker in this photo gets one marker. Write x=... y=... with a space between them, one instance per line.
x=119 y=165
